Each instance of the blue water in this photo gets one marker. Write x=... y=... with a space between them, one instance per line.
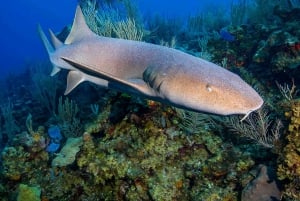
x=19 y=40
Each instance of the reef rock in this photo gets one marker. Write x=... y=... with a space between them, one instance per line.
x=263 y=188
x=67 y=155
x=289 y=158
x=27 y=193
x=281 y=50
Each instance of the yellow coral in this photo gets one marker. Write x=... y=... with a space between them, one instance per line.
x=29 y=193
x=36 y=137
x=289 y=162
x=244 y=164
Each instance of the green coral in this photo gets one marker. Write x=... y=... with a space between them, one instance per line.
x=148 y=162
x=280 y=50
x=289 y=161
x=216 y=193
x=19 y=164
x=168 y=184
x=68 y=153
x=16 y=162
x=67 y=117
x=282 y=60
x=29 y=193
x=99 y=123
x=142 y=157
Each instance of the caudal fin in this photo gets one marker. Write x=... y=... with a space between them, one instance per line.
x=45 y=40
x=50 y=49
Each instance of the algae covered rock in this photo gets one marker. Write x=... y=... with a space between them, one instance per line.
x=263 y=188
x=289 y=160
x=281 y=50
x=67 y=155
x=15 y=162
x=27 y=193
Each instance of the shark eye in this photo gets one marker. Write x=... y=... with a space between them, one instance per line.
x=208 y=88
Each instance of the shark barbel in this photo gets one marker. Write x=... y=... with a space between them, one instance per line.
x=152 y=71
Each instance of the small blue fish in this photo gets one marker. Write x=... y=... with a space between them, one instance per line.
x=227 y=36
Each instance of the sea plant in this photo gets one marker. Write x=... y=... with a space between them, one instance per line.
x=257 y=127
x=67 y=117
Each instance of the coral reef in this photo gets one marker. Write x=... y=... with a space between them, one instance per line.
x=67 y=154
x=153 y=163
x=146 y=155
x=15 y=162
x=19 y=164
x=29 y=193
x=289 y=160
x=281 y=49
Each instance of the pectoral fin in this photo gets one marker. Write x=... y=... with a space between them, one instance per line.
x=55 y=70
x=76 y=77
x=73 y=80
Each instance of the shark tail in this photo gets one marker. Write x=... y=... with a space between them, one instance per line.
x=50 y=49
x=45 y=40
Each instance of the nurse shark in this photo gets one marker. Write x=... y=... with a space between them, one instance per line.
x=152 y=71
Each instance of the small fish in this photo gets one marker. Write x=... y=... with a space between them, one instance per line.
x=227 y=36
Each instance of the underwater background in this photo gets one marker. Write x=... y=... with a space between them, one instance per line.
x=109 y=145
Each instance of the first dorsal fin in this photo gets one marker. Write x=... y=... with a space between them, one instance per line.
x=79 y=28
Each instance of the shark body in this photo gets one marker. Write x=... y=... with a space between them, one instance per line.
x=156 y=72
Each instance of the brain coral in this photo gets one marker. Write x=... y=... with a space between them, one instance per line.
x=67 y=155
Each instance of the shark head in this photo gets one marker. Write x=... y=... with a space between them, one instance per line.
x=205 y=87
